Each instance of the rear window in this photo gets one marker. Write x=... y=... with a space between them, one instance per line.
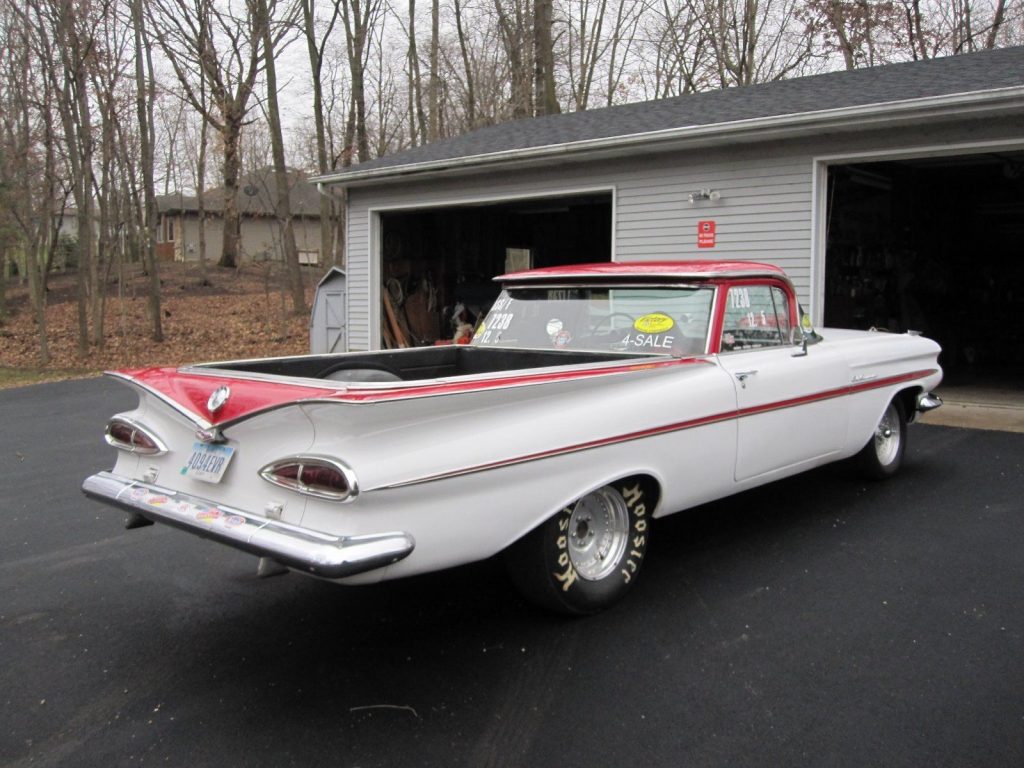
x=657 y=320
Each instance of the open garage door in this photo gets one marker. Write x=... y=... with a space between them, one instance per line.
x=437 y=264
x=934 y=245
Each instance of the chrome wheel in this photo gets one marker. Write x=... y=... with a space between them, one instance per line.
x=888 y=435
x=588 y=554
x=598 y=528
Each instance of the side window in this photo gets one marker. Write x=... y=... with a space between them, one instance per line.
x=752 y=320
x=781 y=301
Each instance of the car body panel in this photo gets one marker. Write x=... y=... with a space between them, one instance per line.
x=464 y=465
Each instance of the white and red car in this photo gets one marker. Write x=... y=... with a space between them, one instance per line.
x=593 y=400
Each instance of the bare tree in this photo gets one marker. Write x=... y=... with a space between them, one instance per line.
x=544 y=96
x=224 y=41
x=316 y=43
x=145 y=96
x=676 y=57
x=418 y=115
x=358 y=17
x=598 y=47
x=756 y=41
x=282 y=203
x=467 y=68
x=27 y=212
x=65 y=45
x=516 y=38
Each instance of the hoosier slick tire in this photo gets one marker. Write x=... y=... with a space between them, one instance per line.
x=587 y=556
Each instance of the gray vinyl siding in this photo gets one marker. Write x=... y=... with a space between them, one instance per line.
x=357 y=273
x=764 y=214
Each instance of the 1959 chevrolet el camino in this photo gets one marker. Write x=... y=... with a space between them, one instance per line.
x=592 y=400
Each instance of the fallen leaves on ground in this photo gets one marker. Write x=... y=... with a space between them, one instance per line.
x=241 y=313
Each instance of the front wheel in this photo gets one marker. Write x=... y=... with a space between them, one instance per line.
x=588 y=555
x=883 y=455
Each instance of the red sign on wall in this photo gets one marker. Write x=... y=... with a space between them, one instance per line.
x=705 y=234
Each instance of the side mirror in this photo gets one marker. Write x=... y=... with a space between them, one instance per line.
x=808 y=335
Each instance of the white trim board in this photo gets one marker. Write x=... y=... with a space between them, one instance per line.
x=819 y=189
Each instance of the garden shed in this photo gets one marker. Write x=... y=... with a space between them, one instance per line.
x=893 y=196
x=328 y=321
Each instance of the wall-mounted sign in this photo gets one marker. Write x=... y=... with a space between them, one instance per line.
x=705 y=234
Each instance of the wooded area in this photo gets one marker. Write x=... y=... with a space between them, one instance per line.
x=106 y=104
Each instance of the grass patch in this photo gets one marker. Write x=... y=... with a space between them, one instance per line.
x=24 y=377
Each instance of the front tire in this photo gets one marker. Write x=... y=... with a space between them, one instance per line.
x=882 y=457
x=586 y=557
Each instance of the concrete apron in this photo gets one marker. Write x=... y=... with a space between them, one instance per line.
x=979 y=408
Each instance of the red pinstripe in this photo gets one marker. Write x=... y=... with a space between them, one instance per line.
x=779 y=405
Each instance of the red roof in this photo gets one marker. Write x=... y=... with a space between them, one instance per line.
x=658 y=269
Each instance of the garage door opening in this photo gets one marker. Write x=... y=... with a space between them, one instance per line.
x=438 y=265
x=933 y=245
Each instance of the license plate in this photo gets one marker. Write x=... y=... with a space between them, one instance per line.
x=208 y=462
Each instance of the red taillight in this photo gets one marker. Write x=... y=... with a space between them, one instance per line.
x=319 y=476
x=324 y=479
x=121 y=432
x=288 y=472
x=131 y=436
x=144 y=443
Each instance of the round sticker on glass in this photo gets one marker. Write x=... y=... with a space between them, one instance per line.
x=554 y=326
x=656 y=322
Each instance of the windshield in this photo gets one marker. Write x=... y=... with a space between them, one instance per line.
x=660 y=320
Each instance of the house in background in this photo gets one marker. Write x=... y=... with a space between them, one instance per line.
x=259 y=235
x=893 y=197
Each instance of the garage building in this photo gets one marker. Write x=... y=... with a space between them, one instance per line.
x=893 y=196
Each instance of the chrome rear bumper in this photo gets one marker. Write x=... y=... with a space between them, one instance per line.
x=927 y=401
x=321 y=554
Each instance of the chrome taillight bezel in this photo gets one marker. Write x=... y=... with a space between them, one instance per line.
x=136 y=428
x=268 y=473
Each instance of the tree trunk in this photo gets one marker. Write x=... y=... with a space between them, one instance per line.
x=316 y=59
x=997 y=22
x=416 y=81
x=204 y=133
x=434 y=86
x=232 y=163
x=145 y=96
x=282 y=205
x=545 y=98
x=513 y=35
x=470 y=87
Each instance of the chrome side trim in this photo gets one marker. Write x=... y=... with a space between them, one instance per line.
x=662 y=429
x=927 y=401
x=321 y=554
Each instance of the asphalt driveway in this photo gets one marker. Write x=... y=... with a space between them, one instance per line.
x=818 y=621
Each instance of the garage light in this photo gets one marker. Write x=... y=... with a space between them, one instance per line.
x=705 y=194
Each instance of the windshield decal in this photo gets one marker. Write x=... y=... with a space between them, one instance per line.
x=650 y=341
x=654 y=323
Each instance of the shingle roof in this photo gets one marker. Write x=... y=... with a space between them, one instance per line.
x=257 y=196
x=967 y=73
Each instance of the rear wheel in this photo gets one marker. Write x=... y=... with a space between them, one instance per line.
x=883 y=455
x=588 y=555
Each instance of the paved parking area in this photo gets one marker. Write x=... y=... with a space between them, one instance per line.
x=820 y=621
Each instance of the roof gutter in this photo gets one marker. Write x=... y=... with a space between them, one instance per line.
x=761 y=128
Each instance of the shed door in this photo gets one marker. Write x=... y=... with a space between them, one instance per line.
x=335 y=325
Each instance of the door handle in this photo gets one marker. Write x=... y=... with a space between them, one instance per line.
x=742 y=376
